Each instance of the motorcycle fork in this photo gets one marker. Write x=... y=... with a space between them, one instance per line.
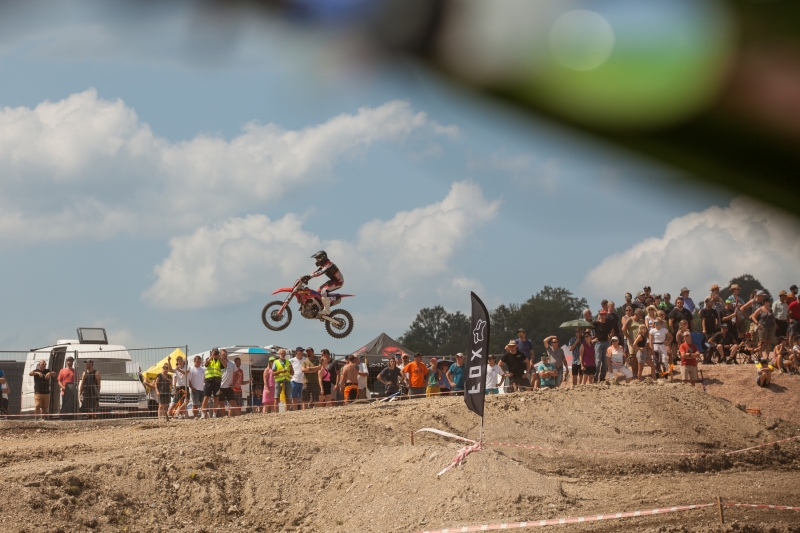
x=286 y=303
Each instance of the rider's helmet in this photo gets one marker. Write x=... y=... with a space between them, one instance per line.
x=321 y=257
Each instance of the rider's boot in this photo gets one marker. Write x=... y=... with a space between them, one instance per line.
x=326 y=304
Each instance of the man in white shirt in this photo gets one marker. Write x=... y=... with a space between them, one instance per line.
x=196 y=382
x=363 y=374
x=298 y=378
x=494 y=376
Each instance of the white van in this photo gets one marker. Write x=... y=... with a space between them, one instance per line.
x=120 y=387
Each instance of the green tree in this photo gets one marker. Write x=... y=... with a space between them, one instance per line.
x=540 y=316
x=747 y=283
x=437 y=332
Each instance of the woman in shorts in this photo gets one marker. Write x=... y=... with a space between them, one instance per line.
x=615 y=356
x=587 y=359
x=642 y=352
x=325 y=374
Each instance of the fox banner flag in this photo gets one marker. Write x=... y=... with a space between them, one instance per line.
x=475 y=379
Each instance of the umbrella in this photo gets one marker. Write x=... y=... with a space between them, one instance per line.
x=250 y=356
x=579 y=323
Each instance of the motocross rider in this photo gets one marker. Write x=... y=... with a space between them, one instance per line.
x=335 y=281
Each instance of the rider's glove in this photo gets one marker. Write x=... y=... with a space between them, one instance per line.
x=305 y=279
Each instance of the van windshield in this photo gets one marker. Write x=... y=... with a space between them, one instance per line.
x=109 y=369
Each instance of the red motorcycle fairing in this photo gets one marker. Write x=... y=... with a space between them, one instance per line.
x=285 y=289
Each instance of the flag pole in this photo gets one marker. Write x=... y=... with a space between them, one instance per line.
x=480 y=439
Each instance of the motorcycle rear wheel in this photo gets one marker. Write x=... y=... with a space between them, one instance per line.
x=340 y=332
x=270 y=318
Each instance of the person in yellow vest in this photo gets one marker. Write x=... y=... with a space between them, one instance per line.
x=764 y=373
x=283 y=372
x=212 y=380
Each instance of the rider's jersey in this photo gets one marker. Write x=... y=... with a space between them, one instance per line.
x=331 y=270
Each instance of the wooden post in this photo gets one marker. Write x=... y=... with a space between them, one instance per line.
x=412 y=437
x=719 y=506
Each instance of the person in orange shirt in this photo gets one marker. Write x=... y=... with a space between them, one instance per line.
x=416 y=373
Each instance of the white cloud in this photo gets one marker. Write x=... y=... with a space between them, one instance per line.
x=87 y=167
x=700 y=249
x=228 y=263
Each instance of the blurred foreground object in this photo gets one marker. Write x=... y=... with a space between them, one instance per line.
x=708 y=86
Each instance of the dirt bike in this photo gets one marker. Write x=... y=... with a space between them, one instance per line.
x=277 y=315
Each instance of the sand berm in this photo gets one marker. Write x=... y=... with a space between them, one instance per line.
x=353 y=469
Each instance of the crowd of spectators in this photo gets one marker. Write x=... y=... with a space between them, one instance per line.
x=650 y=338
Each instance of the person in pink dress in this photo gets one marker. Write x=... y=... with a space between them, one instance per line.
x=267 y=396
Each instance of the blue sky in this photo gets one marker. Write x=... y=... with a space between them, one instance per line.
x=180 y=173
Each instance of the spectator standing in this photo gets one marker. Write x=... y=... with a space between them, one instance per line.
x=689 y=353
x=665 y=304
x=298 y=379
x=709 y=318
x=348 y=382
x=363 y=375
x=312 y=387
x=794 y=320
x=41 y=389
x=525 y=345
x=434 y=376
x=724 y=343
x=793 y=294
x=643 y=358
x=282 y=371
x=648 y=292
x=688 y=303
x=162 y=385
x=89 y=390
x=238 y=382
x=417 y=375
x=614 y=320
x=755 y=302
x=66 y=382
x=455 y=374
x=639 y=302
x=575 y=348
x=764 y=373
x=587 y=359
x=616 y=360
x=716 y=301
x=556 y=357
x=632 y=322
x=444 y=382
x=494 y=376
x=390 y=377
x=196 y=381
x=587 y=315
x=766 y=326
x=268 y=390
x=629 y=301
x=547 y=372
x=404 y=383
x=602 y=331
x=781 y=310
x=5 y=390
x=326 y=379
x=660 y=339
x=213 y=379
x=650 y=319
x=226 y=386
x=180 y=389
x=515 y=364
x=677 y=314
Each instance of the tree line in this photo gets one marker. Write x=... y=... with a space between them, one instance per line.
x=436 y=331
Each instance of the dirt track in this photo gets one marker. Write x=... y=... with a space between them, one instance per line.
x=353 y=469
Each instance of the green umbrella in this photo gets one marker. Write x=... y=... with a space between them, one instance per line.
x=579 y=323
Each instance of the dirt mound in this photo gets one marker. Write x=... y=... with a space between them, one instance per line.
x=737 y=383
x=353 y=469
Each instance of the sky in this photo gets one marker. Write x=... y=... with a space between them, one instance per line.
x=162 y=174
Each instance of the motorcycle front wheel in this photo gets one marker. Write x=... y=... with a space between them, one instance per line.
x=273 y=320
x=344 y=327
